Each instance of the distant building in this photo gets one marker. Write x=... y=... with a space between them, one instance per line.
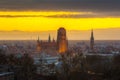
x=7 y=76
x=62 y=42
x=49 y=38
x=92 y=42
x=38 y=45
x=48 y=47
x=6 y=73
x=54 y=47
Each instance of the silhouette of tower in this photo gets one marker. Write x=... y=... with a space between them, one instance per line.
x=62 y=42
x=38 y=45
x=53 y=40
x=49 y=38
x=92 y=41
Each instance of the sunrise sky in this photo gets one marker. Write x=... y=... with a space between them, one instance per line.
x=47 y=15
x=43 y=21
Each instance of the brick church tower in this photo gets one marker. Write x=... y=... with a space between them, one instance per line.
x=62 y=42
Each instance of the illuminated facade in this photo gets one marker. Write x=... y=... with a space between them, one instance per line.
x=62 y=43
x=59 y=46
x=47 y=46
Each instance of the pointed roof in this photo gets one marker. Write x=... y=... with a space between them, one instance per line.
x=38 y=39
x=49 y=38
x=53 y=39
x=92 y=34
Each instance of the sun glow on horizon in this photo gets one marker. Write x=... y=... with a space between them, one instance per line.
x=45 y=21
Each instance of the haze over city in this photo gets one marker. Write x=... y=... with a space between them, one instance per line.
x=100 y=34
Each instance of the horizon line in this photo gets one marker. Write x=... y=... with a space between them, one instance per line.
x=55 y=30
x=55 y=40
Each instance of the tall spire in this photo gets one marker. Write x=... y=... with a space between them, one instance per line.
x=49 y=38
x=38 y=39
x=92 y=34
x=38 y=45
x=92 y=41
x=53 y=39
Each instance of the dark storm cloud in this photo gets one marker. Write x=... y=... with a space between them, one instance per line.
x=92 y=5
x=110 y=7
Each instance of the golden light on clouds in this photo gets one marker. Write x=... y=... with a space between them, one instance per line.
x=43 y=13
x=44 y=21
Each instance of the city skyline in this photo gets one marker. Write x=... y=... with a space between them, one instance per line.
x=59 y=39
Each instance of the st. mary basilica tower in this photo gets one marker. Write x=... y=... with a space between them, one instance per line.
x=62 y=42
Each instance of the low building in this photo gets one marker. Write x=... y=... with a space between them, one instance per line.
x=6 y=75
